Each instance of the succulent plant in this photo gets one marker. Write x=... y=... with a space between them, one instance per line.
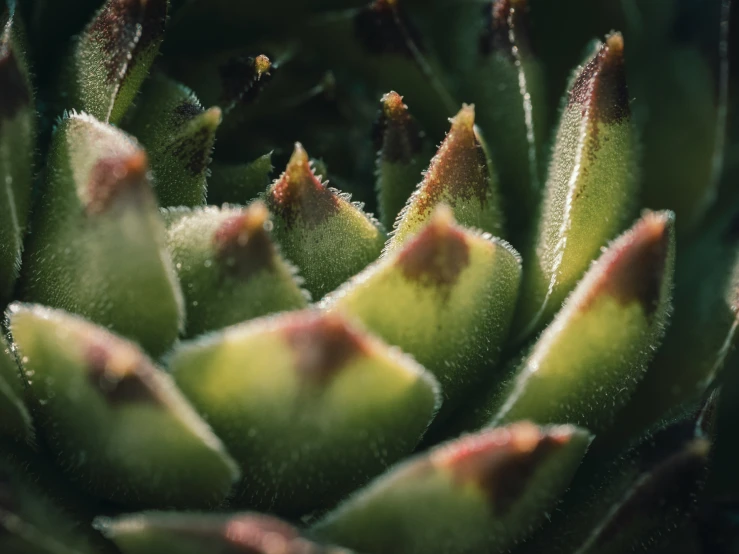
x=531 y=349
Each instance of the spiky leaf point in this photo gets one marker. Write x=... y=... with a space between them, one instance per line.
x=229 y=267
x=460 y=175
x=115 y=422
x=591 y=189
x=247 y=533
x=239 y=183
x=35 y=517
x=678 y=64
x=446 y=296
x=99 y=245
x=319 y=229
x=15 y=421
x=479 y=493
x=178 y=135
x=401 y=156
x=381 y=43
x=304 y=401
x=633 y=502
x=486 y=46
x=587 y=363
x=17 y=135
x=227 y=80
x=112 y=56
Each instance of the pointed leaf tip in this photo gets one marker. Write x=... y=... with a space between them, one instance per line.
x=111 y=177
x=438 y=254
x=503 y=18
x=501 y=461
x=323 y=344
x=601 y=85
x=634 y=269
x=299 y=194
x=243 y=243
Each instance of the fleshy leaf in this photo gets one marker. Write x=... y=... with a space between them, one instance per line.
x=702 y=335
x=178 y=135
x=309 y=405
x=111 y=58
x=229 y=267
x=239 y=183
x=15 y=421
x=98 y=246
x=591 y=189
x=401 y=156
x=326 y=236
x=678 y=64
x=587 y=363
x=17 y=143
x=115 y=423
x=479 y=493
x=634 y=502
x=187 y=533
x=459 y=175
x=486 y=46
x=446 y=296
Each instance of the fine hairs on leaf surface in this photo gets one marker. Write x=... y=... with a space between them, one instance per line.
x=369 y=277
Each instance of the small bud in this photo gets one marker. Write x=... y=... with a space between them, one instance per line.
x=587 y=363
x=459 y=175
x=420 y=298
x=114 y=421
x=178 y=135
x=302 y=400
x=229 y=267
x=401 y=156
x=326 y=236
x=479 y=493
x=591 y=189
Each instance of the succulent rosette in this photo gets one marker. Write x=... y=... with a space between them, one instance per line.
x=212 y=345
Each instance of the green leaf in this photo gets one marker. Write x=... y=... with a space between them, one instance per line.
x=480 y=493
x=239 y=183
x=112 y=56
x=486 y=45
x=17 y=143
x=99 y=244
x=459 y=175
x=632 y=503
x=229 y=268
x=115 y=423
x=591 y=189
x=325 y=235
x=702 y=335
x=446 y=296
x=15 y=421
x=309 y=405
x=402 y=155
x=187 y=533
x=178 y=135
x=678 y=69
x=587 y=363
